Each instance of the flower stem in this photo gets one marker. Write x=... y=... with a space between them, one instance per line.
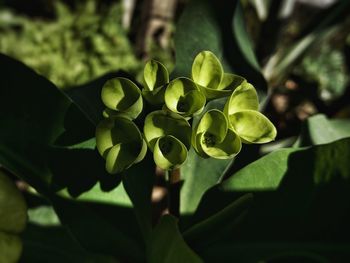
x=174 y=184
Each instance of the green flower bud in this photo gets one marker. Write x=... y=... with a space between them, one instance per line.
x=120 y=142
x=156 y=78
x=213 y=137
x=169 y=152
x=13 y=218
x=123 y=97
x=208 y=73
x=242 y=112
x=161 y=123
x=184 y=97
x=10 y=247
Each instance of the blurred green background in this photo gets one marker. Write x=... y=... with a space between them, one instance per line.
x=73 y=43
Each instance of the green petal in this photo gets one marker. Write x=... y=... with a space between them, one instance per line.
x=252 y=126
x=215 y=93
x=169 y=152
x=207 y=70
x=244 y=97
x=110 y=132
x=197 y=145
x=184 y=97
x=122 y=156
x=121 y=94
x=230 y=81
x=112 y=114
x=228 y=148
x=214 y=123
x=142 y=153
x=156 y=96
x=161 y=123
x=155 y=75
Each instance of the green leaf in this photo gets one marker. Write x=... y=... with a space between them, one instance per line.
x=252 y=252
x=54 y=244
x=27 y=137
x=271 y=167
x=312 y=182
x=207 y=70
x=155 y=75
x=242 y=38
x=252 y=126
x=138 y=181
x=222 y=31
x=332 y=130
x=43 y=215
x=199 y=174
x=184 y=97
x=27 y=129
x=122 y=95
x=169 y=152
x=214 y=226
x=161 y=123
x=96 y=230
x=168 y=245
x=190 y=39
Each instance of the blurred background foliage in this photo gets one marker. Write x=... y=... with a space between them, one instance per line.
x=70 y=44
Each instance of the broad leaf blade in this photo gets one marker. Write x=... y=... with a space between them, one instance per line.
x=199 y=174
x=222 y=32
x=319 y=129
x=54 y=244
x=190 y=39
x=81 y=219
x=168 y=245
x=138 y=182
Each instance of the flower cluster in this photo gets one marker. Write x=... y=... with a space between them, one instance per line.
x=168 y=131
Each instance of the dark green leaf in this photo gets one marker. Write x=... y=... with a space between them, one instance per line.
x=33 y=115
x=190 y=39
x=319 y=129
x=279 y=252
x=221 y=31
x=214 y=227
x=41 y=117
x=94 y=229
x=199 y=174
x=138 y=182
x=312 y=182
x=54 y=244
x=168 y=245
